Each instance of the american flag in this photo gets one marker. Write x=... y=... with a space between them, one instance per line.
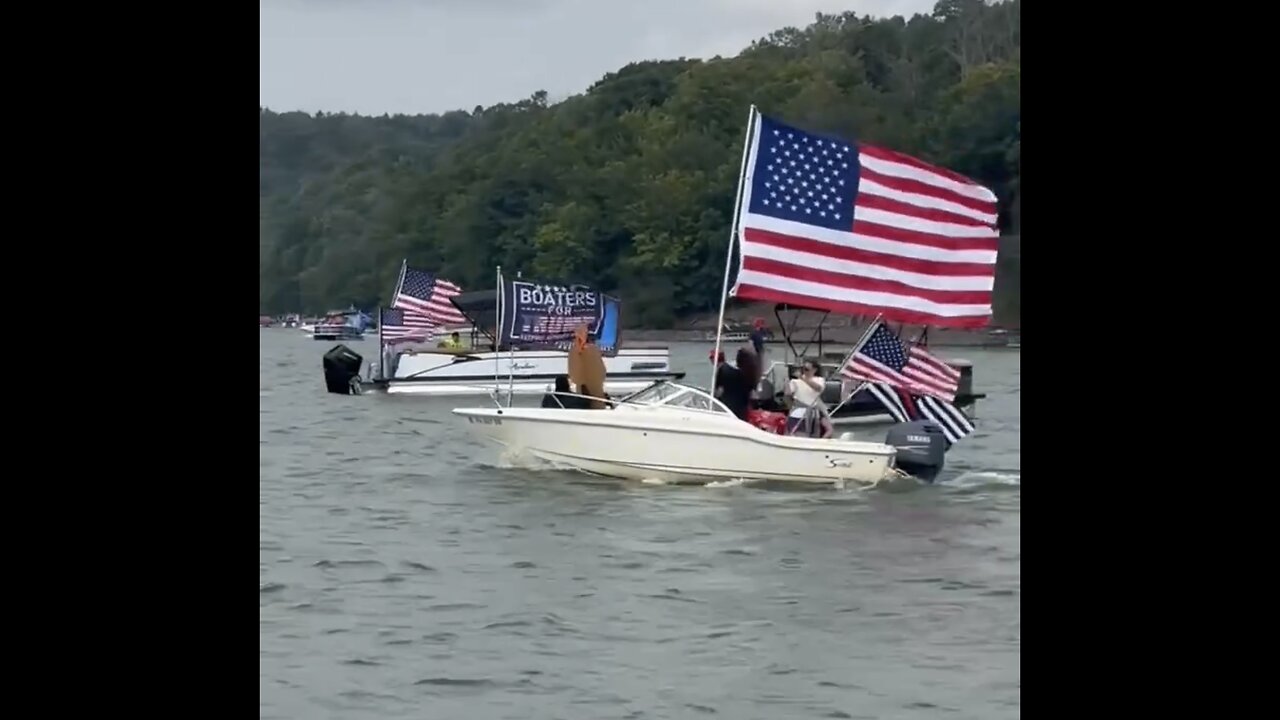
x=860 y=230
x=904 y=407
x=399 y=326
x=428 y=295
x=884 y=358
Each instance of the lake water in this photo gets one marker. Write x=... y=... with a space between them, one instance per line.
x=407 y=572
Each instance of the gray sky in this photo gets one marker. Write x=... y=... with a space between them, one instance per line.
x=421 y=56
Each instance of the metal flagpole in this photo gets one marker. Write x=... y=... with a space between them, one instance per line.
x=404 y=265
x=497 y=331
x=733 y=234
x=382 y=352
x=861 y=341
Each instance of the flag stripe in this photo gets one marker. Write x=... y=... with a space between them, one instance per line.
x=767 y=293
x=869 y=199
x=848 y=301
x=869 y=282
x=892 y=162
x=926 y=195
x=925 y=273
x=954 y=423
x=886 y=241
x=890 y=400
x=842 y=227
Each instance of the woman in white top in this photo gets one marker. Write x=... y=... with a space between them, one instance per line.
x=805 y=394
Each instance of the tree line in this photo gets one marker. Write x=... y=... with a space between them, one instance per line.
x=630 y=185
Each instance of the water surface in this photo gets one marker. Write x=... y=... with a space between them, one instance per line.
x=405 y=572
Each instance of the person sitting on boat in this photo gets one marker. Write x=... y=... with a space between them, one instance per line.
x=805 y=394
x=453 y=342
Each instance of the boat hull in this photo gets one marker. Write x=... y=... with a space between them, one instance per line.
x=674 y=446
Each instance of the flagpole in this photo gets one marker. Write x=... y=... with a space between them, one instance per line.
x=733 y=235
x=404 y=265
x=511 y=364
x=382 y=356
x=497 y=331
x=866 y=335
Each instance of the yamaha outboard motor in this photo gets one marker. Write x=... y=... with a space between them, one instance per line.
x=921 y=446
x=342 y=371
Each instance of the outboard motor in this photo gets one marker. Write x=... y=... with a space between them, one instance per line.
x=921 y=446
x=342 y=370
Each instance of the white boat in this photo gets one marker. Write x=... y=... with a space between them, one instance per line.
x=680 y=433
x=523 y=372
x=676 y=433
x=517 y=368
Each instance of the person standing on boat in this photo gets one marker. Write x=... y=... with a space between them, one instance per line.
x=731 y=386
x=757 y=339
x=805 y=394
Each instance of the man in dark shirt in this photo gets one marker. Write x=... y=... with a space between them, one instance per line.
x=731 y=388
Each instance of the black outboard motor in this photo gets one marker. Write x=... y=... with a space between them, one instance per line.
x=342 y=371
x=921 y=446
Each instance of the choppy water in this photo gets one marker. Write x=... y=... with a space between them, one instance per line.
x=404 y=573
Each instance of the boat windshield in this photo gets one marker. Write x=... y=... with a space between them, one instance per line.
x=668 y=394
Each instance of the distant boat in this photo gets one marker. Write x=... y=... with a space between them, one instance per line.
x=349 y=324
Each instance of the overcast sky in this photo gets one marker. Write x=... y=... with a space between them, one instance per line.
x=422 y=56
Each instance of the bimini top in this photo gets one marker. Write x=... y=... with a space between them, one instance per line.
x=477 y=306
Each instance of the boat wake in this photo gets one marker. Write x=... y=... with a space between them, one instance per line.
x=984 y=479
x=735 y=482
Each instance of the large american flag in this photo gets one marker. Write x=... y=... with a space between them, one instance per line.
x=424 y=293
x=884 y=358
x=860 y=230
x=904 y=406
x=398 y=326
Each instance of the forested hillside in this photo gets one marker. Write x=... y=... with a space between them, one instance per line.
x=630 y=185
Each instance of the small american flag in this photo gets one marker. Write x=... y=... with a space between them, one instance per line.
x=860 y=230
x=424 y=293
x=904 y=407
x=883 y=358
x=399 y=326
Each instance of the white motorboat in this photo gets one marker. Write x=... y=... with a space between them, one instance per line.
x=677 y=433
x=806 y=255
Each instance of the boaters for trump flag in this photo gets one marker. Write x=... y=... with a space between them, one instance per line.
x=860 y=230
